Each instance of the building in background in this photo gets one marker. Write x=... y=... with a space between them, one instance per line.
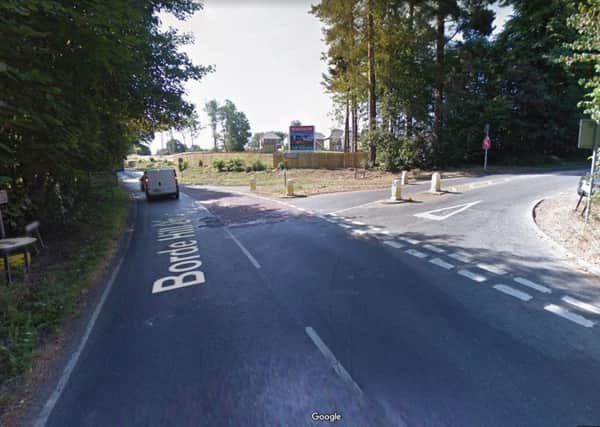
x=269 y=142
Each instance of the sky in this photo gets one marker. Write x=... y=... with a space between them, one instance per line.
x=267 y=59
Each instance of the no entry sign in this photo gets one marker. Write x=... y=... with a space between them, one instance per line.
x=487 y=143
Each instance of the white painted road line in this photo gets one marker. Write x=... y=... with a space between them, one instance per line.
x=416 y=253
x=532 y=285
x=409 y=240
x=449 y=211
x=492 y=269
x=566 y=314
x=582 y=305
x=441 y=263
x=434 y=249
x=460 y=257
x=473 y=276
x=358 y=223
x=393 y=244
x=243 y=248
x=360 y=232
x=345 y=226
x=513 y=292
x=330 y=357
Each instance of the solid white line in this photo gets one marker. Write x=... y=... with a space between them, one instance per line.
x=491 y=268
x=441 y=263
x=532 y=285
x=434 y=249
x=393 y=244
x=416 y=253
x=330 y=357
x=582 y=305
x=243 y=248
x=513 y=292
x=74 y=359
x=566 y=314
x=460 y=257
x=358 y=223
x=409 y=240
x=473 y=276
x=357 y=207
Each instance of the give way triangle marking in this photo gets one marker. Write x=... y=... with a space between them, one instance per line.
x=445 y=213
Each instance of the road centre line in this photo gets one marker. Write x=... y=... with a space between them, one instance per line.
x=330 y=357
x=513 y=292
x=532 y=285
x=591 y=308
x=473 y=276
x=566 y=314
x=416 y=253
x=441 y=263
x=243 y=248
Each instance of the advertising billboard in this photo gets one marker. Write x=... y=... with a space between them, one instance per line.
x=302 y=138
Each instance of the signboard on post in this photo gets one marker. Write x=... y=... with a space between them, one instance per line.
x=302 y=138
x=587 y=129
x=486 y=144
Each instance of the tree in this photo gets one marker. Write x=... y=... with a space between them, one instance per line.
x=212 y=109
x=235 y=127
x=175 y=146
x=295 y=123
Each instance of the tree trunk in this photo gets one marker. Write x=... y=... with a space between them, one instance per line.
x=372 y=83
x=354 y=125
x=346 y=128
x=438 y=120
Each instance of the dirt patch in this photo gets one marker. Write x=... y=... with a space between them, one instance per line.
x=557 y=218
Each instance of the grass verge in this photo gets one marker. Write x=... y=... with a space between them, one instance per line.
x=35 y=308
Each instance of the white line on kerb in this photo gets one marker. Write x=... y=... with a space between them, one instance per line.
x=393 y=244
x=586 y=306
x=416 y=253
x=441 y=263
x=532 y=285
x=330 y=357
x=491 y=268
x=513 y=292
x=566 y=314
x=460 y=257
x=72 y=363
x=434 y=249
x=473 y=276
x=243 y=248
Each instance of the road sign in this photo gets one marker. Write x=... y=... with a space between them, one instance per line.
x=587 y=130
x=487 y=143
x=302 y=138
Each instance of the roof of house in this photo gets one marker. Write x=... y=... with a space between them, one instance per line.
x=271 y=135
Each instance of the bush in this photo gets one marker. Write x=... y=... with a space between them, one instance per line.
x=235 y=165
x=282 y=165
x=248 y=168
x=219 y=164
x=200 y=163
x=152 y=160
x=257 y=165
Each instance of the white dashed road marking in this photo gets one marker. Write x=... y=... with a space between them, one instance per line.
x=513 y=292
x=582 y=305
x=434 y=249
x=491 y=269
x=473 y=276
x=532 y=285
x=416 y=253
x=393 y=244
x=566 y=314
x=330 y=357
x=441 y=263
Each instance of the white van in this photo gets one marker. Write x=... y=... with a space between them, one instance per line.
x=160 y=182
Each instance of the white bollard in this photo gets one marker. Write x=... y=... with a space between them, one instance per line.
x=290 y=187
x=396 y=190
x=403 y=178
x=252 y=183
x=436 y=182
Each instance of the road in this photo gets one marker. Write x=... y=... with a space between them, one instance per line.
x=446 y=312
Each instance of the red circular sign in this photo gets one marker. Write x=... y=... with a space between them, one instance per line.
x=487 y=143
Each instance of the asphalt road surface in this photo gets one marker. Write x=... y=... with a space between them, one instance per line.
x=235 y=310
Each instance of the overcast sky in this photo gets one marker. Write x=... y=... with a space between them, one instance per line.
x=267 y=57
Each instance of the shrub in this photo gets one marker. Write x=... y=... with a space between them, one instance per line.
x=248 y=168
x=235 y=165
x=219 y=164
x=282 y=165
x=152 y=160
x=200 y=163
x=257 y=165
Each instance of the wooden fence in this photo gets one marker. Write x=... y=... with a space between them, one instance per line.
x=320 y=160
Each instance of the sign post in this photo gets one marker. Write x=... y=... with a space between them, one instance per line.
x=486 y=145
x=589 y=137
x=592 y=171
x=302 y=138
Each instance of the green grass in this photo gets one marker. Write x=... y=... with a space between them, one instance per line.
x=30 y=312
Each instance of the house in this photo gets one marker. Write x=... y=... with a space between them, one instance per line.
x=335 y=142
x=320 y=140
x=269 y=142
